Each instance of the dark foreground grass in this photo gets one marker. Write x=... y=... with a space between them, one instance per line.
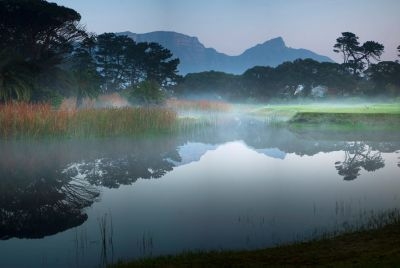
x=372 y=248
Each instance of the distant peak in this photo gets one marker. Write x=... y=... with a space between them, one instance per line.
x=277 y=41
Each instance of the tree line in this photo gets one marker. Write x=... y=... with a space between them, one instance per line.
x=361 y=74
x=45 y=55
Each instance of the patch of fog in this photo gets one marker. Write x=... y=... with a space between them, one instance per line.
x=113 y=100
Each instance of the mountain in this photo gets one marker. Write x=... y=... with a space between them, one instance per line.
x=195 y=57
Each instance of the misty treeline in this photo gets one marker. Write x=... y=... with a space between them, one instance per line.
x=361 y=74
x=46 y=55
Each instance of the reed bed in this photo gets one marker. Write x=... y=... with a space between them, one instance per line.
x=22 y=120
x=199 y=105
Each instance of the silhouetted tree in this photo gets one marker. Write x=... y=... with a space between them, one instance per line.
x=16 y=77
x=354 y=55
x=385 y=77
x=124 y=63
x=41 y=35
x=348 y=45
x=371 y=49
x=86 y=78
x=159 y=66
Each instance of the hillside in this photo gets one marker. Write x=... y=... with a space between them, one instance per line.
x=195 y=57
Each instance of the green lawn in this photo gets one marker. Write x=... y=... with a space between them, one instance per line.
x=366 y=108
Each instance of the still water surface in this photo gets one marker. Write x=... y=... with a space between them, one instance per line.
x=85 y=203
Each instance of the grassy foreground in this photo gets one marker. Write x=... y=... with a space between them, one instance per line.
x=373 y=248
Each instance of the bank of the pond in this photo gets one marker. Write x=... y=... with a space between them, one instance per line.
x=335 y=120
x=333 y=117
x=373 y=248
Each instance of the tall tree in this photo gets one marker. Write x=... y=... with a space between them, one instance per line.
x=159 y=65
x=355 y=57
x=371 y=49
x=124 y=63
x=84 y=70
x=348 y=45
x=41 y=35
x=15 y=77
x=113 y=59
x=37 y=29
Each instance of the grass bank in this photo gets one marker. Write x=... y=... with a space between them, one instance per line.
x=22 y=120
x=346 y=121
x=335 y=117
x=371 y=248
x=366 y=108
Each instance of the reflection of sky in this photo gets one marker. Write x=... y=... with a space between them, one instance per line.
x=231 y=26
x=192 y=151
x=233 y=192
x=223 y=196
x=273 y=152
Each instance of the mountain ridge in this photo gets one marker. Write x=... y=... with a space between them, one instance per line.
x=195 y=57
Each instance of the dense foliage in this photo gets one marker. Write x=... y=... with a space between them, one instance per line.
x=297 y=79
x=45 y=55
x=361 y=74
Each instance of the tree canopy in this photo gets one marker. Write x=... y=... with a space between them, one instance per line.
x=123 y=63
x=39 y=36
x=356 y=57
x=47 y=54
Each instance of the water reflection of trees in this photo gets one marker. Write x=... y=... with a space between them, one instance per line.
x=36 y=204
x=125 y=169
x=358 y=155
x=44 y=188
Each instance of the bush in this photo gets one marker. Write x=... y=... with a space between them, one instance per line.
x=147 y=92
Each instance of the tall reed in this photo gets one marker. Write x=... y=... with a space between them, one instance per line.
x=41 y=120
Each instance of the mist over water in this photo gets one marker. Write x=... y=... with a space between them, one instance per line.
x=244 y=186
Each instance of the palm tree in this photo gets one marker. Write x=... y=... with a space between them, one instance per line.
x=16 y=77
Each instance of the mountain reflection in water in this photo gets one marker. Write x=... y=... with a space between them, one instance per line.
x=46 y=187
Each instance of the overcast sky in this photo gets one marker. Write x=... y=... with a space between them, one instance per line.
x=231 y=26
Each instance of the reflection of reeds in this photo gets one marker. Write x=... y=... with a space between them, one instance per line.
x=145 y=244
x=106 y=238
x=40 y=120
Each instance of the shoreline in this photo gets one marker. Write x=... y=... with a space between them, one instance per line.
x=368 y=248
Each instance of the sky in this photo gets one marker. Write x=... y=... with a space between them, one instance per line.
x=232 y=26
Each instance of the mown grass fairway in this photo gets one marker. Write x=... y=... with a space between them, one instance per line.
x=367 y=108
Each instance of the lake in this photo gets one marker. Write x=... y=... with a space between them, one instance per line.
x=86 y=203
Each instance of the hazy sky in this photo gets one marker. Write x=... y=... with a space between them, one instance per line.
x=231 y=26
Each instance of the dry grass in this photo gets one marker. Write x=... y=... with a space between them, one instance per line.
x=200 y=105
x=25 y=120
